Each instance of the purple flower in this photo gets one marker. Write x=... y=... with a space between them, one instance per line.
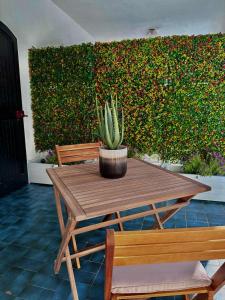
x=220 y=158
x=50 y=153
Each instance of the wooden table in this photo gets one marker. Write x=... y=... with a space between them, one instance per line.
x=87 y=195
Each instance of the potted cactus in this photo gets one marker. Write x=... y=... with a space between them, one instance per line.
x=112 y=155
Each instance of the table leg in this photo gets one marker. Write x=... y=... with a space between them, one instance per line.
x=67 y=252
x=75 y=250
x=157 y=217
x=120 y=224
x=172 y=212
x=65 y=241
x=76 y=231
x=109 y=217
x=59 y=211
x=61 y=221
x=71 y=275
x=92 y=227
x=74 y=241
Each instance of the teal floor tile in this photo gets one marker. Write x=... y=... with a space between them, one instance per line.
x=30 y=238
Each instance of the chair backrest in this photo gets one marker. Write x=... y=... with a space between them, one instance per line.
x=78 y=152
x=168 y=245
x=162 y=246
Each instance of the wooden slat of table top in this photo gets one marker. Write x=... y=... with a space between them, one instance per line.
x=89 y=195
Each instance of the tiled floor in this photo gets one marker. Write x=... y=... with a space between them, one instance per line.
x=29 y=239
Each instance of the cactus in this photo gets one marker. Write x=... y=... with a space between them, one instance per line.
x=110 y=131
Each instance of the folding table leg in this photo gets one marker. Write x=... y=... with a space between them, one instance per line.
x=64 y=244
x=168 y=215
x=120 y=223
x=59 y=211
x=71 y=275
x=172 y=212
x=67 y=252
x=64 y=232
x=208 y=296
x=109 y=217
x=157 y=217
x=74 y=241
x=75 y=250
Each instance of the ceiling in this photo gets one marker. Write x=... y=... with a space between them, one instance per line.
x=118 y=19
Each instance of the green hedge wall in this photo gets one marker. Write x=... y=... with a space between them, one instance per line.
x=62 y=90
x=172 y=90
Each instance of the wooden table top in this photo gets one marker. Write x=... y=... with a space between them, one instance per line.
x=89 y=195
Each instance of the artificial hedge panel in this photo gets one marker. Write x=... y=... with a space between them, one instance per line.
x=130 y=74
x=62 y=88
x=172 y=90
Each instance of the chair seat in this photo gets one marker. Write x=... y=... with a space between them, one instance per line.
x=152 y=278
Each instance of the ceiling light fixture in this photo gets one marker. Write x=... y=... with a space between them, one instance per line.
x=152 y=31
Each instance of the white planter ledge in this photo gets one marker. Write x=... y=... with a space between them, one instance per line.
x=217 y=184
x=37 y=172
x=174 y=167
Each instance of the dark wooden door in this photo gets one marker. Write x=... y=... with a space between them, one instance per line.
x=13 y=168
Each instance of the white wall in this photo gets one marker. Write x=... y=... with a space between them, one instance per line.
x=169 y=28
x=120 y=19
x=37 y=23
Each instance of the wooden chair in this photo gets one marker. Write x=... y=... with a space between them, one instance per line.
x=76 y=153
x=155 y=263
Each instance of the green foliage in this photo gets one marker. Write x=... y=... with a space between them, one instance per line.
x=172 y=90
x=111 y=128
x=50 y=158
x=62 y=89
x=193 y=165
x=203 y=166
